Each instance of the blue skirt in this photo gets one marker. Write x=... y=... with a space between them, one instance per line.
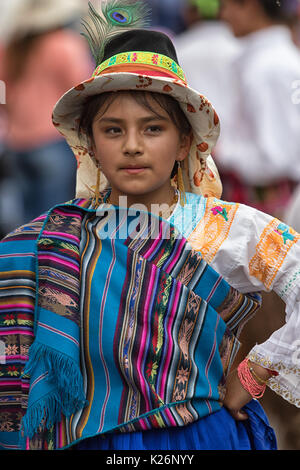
x=218 y=431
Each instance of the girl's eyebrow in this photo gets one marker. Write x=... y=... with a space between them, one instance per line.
x=143 y=119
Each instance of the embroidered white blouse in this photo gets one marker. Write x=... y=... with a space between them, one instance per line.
x=254 y=252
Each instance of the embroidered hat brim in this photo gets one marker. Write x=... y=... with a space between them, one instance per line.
x=153 y=72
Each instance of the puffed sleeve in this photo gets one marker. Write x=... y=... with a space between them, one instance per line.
x=255 y=252
x=277 y=263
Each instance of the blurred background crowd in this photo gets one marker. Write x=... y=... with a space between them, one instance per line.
x=243 y=55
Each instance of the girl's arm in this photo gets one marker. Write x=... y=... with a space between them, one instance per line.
x=256 y=252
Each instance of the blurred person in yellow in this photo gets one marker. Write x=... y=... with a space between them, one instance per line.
x=43 y=56
x=258 y=156
x=206 y=51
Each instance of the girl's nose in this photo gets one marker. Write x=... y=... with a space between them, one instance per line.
x=133 y=144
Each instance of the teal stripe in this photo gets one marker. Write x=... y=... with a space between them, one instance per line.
x=203 y=352
x=9 y=441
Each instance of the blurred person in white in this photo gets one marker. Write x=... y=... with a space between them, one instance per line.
x=44 y=55
x=258 y=156
x=292 y=214
x=206 y=51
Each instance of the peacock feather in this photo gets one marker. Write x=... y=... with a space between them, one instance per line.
x=115 y=17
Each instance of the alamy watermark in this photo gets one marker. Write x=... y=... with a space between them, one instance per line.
x=296 y=92
x=137 y=222
x=2 y=92
x=2 y=352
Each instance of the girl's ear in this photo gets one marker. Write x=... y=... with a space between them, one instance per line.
x=92 y=149
x=185 y=146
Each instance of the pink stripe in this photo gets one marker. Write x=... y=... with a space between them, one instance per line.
x=23 y=255
x=54 y=258
x=14 y=382
x=8 y=382
x=62 y=234
x=169 y=335
x=60 y=434
x=9 y=446
x=170 y=267
x=143 y=425
x=214 y=289
x=208 y=406
x=16 y=306
x=10 y=358
x=154 y=245
x=71 y=214
x=59 y=332
x=17 y=332
x=144 y=336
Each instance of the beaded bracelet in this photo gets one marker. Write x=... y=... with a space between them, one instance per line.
x=248 y=382
x=258 y=379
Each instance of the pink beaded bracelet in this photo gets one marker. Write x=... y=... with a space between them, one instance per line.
x=248 y=382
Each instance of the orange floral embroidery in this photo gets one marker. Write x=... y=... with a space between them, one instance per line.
x=213 y=229
x=273 y=246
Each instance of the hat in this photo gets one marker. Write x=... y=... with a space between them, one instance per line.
x=37 y=16
x=141 y=59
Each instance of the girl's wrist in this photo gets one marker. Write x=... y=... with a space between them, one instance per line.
x=253 y=383
x=261 y=374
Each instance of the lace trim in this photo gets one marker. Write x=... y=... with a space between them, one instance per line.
x=275 y=382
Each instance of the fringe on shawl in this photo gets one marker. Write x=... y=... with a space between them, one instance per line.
x=66 y=395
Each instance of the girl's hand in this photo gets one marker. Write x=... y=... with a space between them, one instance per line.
x=236 y=397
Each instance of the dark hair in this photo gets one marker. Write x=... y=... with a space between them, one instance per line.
x=16 y=56
x=166 y=102
x=18 y=52
x=277 y=10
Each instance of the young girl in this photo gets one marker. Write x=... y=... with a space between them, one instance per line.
x=133 y=295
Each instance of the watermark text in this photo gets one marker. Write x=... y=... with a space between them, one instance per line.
x=2 y=92
x=296 y=92
x=2 y=352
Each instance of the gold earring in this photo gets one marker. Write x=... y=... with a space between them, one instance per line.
x=97 y=189
x=180 y=185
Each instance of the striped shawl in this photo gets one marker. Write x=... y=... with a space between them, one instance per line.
x=167 y=327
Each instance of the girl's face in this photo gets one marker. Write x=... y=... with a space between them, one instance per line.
x=137 y=149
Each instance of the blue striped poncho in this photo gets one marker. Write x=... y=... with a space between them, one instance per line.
x=111 y=323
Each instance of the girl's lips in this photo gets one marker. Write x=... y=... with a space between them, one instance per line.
x=134 y=171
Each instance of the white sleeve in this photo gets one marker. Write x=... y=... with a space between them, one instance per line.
x=258 y=252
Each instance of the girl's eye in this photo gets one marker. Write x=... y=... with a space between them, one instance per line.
x=113 y=130
x=154 y=129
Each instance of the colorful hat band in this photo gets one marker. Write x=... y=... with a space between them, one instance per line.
x=158 y=63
